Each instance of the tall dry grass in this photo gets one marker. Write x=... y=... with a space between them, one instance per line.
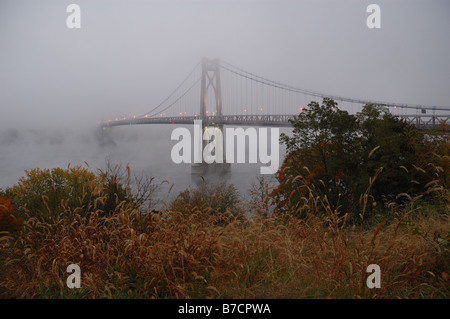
x=191 y=253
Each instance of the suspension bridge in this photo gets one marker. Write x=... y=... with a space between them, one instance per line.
x=219 y=93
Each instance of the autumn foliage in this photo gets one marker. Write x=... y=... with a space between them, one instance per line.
x=8 y=216
x=352 y=191
x=46 y=193
x=187 y=252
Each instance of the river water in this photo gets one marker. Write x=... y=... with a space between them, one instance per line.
x=146 y=149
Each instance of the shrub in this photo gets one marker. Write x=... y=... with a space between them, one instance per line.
x=8 y=216
x=215 y=199
x=48 y=193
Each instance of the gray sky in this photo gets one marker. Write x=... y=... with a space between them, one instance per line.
x=129 y=55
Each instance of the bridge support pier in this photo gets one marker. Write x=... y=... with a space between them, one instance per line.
x=210 y=79
x=203 y=169
x=218 y=169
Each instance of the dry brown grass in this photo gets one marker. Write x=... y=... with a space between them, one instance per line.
x=192 y=254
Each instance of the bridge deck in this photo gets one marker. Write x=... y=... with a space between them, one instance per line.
x=422 y=122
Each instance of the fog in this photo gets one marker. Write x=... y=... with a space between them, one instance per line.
x=57 y=84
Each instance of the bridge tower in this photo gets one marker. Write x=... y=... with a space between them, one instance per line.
x=210 y=80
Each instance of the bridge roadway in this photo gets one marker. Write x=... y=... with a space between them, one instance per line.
x=422 y=122
x=239 y=120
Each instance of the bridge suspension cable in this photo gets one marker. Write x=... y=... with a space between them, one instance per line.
x=251 y=76
x=171 y=94
x=178 y=99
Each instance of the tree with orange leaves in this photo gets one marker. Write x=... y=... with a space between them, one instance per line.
x=8 y=216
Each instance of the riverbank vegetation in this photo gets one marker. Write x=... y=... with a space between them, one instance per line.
x=352 y=191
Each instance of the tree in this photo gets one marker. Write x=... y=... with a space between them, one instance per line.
x=321 y=155
x=8 y=216
x=340 y=157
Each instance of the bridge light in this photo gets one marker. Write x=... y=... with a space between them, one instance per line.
x=146 y=115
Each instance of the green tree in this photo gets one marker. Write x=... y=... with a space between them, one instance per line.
x=340 y=157
x=321 y=155
x=397 y=149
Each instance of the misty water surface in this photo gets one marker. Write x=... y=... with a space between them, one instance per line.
x=145 y=148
